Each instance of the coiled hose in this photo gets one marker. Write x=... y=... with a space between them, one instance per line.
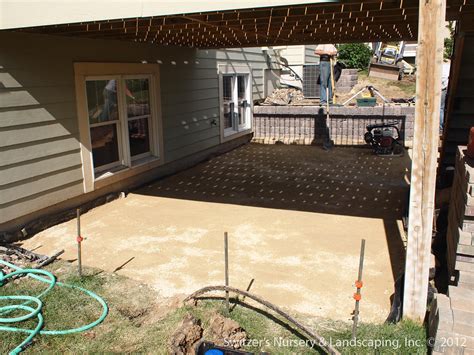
x=34 y=306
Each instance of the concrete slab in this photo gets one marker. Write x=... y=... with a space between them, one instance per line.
x=295 y=217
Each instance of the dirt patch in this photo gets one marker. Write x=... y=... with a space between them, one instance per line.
x=185 y=338
x=390 y=89
x=225 y=331
x=295 y=217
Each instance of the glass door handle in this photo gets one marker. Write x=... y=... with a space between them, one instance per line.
x=234 y=116
x=244 y=104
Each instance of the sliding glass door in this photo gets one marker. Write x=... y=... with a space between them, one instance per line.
x=236 y=96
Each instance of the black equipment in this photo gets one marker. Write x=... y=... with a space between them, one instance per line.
x=384 y=138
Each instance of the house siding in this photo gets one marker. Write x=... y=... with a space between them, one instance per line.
x=299 y=55
x=309 y=56
x=40 y=161
x=295 y=55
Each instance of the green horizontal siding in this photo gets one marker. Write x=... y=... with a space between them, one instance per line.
x=40 y=161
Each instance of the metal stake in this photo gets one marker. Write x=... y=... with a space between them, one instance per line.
x=226 y=258
x=359 y=286
x=79 y=240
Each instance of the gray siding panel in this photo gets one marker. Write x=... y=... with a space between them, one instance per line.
x=40 y=200
x=192 y=137
x=25 y=117
x=35 y=132
x=39 y=140
x=37 y=76
x=22 y=153
x=16 y=99
x=36 y=96
x=16 y=172
x=196 y=128
x=192 y=148
x=7 y=81
x=189 y=95
x=19 y=190
x=176 y=87
x=310 y=57
x=170 y=111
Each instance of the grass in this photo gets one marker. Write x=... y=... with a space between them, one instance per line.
x=138 y=323
x=405 y=337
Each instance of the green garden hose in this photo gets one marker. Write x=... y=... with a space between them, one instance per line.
x=35 y=312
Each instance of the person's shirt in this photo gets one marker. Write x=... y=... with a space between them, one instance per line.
x=328 y=49
x=111 y=86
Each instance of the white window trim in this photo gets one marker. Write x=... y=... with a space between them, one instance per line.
x=223 y=69
x=83 y=71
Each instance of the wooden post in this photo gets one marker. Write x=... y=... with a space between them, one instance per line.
x=425 y=148
x=333 y=83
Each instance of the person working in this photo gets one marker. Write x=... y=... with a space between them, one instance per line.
x=325 y=52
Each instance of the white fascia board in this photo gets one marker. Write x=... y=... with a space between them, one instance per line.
x=31 y=13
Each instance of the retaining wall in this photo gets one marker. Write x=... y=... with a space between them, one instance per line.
x=345 y=126
x=347 y=81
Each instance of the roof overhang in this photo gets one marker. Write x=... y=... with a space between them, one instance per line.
x=265 y=23
x=32 y=13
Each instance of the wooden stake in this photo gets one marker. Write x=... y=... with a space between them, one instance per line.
x=327 y=102
x=79 y=240
x=243 y=298
x=359 y=286
x=333 y=84
x=425 y=148
x=49 y=260
x=226 y=258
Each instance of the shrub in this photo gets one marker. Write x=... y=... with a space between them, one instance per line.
x=449 y=41
x=354 y=55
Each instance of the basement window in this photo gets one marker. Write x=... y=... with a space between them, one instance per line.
x=119 y=120
x=120 y=114
x=235 y=101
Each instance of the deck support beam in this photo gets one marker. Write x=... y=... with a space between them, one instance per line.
x=425 y=149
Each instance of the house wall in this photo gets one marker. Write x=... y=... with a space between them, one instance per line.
x=40 y=161
x=309 y=56
x=295 y=55
x=299 y=55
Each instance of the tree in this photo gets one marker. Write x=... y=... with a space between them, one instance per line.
x=449 y=41
x=354 y=55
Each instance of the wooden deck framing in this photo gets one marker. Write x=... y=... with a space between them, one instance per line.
x=329 y=22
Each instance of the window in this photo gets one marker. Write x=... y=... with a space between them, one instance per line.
x=236 y=98
x=119 y=120
x=119 y=115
